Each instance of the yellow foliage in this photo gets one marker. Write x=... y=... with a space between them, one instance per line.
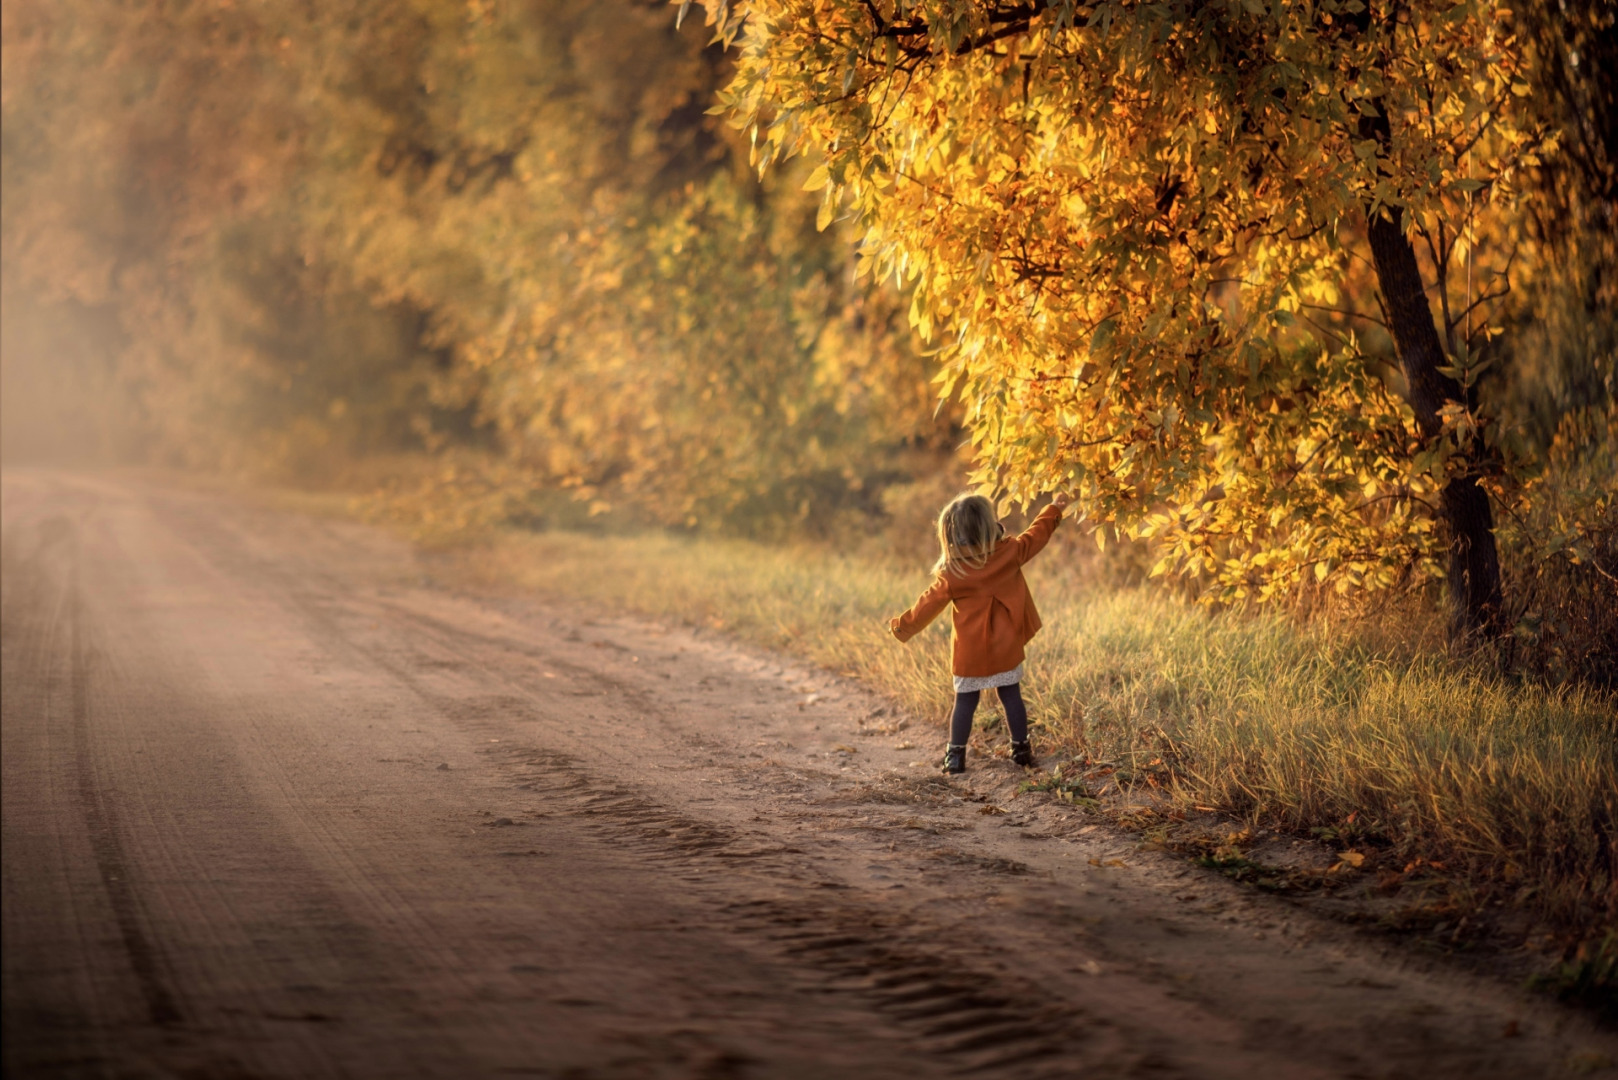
x=1121 y=223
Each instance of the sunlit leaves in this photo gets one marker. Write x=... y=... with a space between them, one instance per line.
x=1121 y=223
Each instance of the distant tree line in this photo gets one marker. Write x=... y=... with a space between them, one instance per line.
x=369 y=228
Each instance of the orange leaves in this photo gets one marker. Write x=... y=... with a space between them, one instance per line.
x=1161 y=189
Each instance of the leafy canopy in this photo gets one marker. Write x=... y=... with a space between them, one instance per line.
x=1131 y=226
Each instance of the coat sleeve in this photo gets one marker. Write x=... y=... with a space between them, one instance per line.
x=1037 y=535
x=924 y=611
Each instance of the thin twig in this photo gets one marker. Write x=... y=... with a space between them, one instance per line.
x=1347 y=311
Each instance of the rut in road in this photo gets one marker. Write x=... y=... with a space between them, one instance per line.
x=278 y=805
x=917 y=976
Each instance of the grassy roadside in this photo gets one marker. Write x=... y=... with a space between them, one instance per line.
x=1413 y=767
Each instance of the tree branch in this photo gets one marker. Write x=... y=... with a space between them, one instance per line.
x=1349 y=312
x=1004 y=22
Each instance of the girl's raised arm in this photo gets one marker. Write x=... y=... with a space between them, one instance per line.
x=1037 y=535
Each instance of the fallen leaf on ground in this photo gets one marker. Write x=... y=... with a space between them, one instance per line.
x=1351 y=860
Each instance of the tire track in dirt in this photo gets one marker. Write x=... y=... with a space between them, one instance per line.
x=134 y=841
x=379 y=928
x=45 y=607
x=946 y=1005
x=101 y=815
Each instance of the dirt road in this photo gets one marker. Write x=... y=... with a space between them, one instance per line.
x=276 y=805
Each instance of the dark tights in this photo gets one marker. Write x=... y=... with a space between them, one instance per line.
x=960 y=724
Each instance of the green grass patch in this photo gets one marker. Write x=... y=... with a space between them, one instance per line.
x=1588 y=977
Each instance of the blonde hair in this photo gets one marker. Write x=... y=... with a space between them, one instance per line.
x=967 y=534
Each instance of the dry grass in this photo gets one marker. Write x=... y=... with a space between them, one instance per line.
x=1513 y=787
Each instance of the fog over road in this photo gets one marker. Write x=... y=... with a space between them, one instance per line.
x=278 y=805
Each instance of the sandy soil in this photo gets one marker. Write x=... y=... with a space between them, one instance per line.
x=278 y=805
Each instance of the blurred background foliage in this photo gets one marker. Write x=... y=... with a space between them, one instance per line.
x=502 y=262
x=316 y=243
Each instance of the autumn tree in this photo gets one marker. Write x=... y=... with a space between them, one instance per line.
x=1137 y=229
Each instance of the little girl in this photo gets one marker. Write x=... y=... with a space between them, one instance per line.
x=981 y=573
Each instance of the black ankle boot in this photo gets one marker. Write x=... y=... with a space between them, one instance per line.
x=955 y=758
x=1022 y=753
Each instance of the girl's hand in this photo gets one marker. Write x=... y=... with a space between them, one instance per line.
x=1061 y=500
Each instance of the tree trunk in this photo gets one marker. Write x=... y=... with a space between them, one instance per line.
x=1474 y=563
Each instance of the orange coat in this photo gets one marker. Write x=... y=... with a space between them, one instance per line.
x=994 y=612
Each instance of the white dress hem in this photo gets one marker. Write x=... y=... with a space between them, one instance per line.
x=965 y=684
